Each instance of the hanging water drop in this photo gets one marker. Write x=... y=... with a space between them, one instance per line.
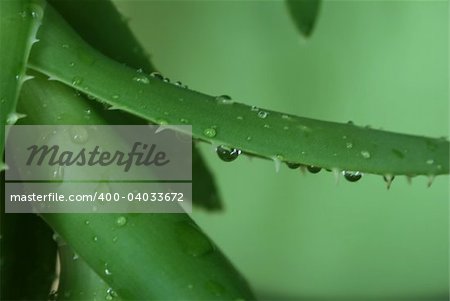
x=352 y=176
x=292 y=165
x=95 y=238
x=313 y=169
x=227 y=154
x=224 y=99
x=430 y=180
x=210 y=132
x=254 y=108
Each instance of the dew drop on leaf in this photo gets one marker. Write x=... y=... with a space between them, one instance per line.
x=77 y=80
x=292 y=165
x=157 y=75
x=313 y=169
x=224 y=99
x=210 y=132
x=79 y=134
x=365 y=154
x=121 y=221
x=141 y=78
x=227 y=154
x=262 y=114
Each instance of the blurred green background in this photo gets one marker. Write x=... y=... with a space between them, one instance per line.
x=378 y=63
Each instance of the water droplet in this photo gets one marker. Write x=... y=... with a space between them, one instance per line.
x=224 y=99
x=178 y=83
x=121 y=221
x=262 y=114
x=313 y=169
x=227 y=154
x=388 y=179
x=65 y=46
x=57 y=173
x=115 y=96
x=430 y=180
x=141 y=78
x=349 y=145
x=107 y=270
x=352 y=176
x=71 y=64
x=75 y=256
x=365 y=154
x=36 y=11
x=248 y=138
x=77 y=80
x=87 y=222
x=192 y=240
x=79 y=134
x=95 y=238
x=240 y=118
x=166 y=80
x=254 y=108
x=114 y=240
x=430 y=161
x=210 y=132
x=350 y=122
x=284 y=116
x=110 y=294
x=292 y=165
x=285 y=128
x=183 y=120
x=157 y=75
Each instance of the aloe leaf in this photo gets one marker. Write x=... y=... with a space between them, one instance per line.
x=112 y=37
x=78 y=281
x=141 y=256
x=304 y=13
x=27 y=255
x=63 y=56
x=19 y=21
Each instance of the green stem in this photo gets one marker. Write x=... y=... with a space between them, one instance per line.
x=67 y=58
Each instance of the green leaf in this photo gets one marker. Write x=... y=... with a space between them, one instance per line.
x=19 y=21
x=28 y=254
x=145 y=256
x=112 y=37
x=255 y=131
x=304 y=13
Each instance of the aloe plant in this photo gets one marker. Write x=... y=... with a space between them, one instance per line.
x=172 y=257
